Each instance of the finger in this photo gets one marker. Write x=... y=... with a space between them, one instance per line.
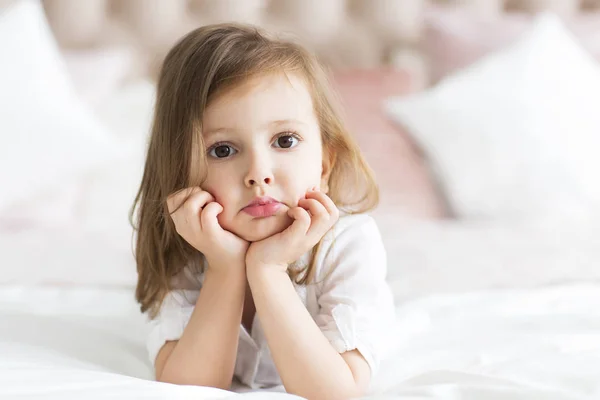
x=196 y=202
x=325 y=201
x=316 y=209
x=208 y=218
x=301 y=222
x=176 y=200
x=186 y=217
x=321 y=221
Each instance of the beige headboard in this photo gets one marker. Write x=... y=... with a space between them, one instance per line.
x=345 y=33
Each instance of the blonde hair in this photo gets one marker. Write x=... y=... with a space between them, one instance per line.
x=199 y=67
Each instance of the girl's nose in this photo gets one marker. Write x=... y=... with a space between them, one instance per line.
x=252 y=182
x=259 y=172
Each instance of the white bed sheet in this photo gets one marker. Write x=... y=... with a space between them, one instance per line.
x=503 y=345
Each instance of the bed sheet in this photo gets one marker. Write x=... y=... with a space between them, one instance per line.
x=498 y=344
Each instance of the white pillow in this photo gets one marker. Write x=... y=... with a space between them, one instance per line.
x=517 y=134
x=93 y=246
x=453 y=256
x=97 y=73
x=48 y=136
x=79 y=256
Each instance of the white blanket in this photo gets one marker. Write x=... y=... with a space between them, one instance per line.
x=503 y=345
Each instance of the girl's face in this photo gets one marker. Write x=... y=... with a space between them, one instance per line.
x=264 y=153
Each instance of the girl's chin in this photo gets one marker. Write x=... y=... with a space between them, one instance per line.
x=258 y=229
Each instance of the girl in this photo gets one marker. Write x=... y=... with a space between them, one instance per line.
x=246 y=267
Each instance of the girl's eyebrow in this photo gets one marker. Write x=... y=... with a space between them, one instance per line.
x=270 y=124
x=287 y=121
x=215 y=131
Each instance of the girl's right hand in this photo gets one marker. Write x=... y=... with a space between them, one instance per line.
x=196 y=222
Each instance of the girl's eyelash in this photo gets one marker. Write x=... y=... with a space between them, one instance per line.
x=214 y=146
x=288 y=133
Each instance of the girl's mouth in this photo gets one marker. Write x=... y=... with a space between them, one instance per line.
x=262 y=207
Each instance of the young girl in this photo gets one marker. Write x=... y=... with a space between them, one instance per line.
x=255 y=258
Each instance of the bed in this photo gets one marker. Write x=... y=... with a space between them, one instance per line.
x=488 y=306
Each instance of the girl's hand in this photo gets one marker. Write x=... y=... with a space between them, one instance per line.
x=196 y=222
x=313 y=217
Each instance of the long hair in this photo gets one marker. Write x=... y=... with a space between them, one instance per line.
x=203 y=64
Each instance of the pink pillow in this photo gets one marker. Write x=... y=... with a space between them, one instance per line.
x=456 y=37
x=406 y=188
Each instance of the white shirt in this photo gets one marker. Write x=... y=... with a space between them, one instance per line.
x=349 y=300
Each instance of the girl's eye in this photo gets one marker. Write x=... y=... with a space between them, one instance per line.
x=286 y=141
x=222 y=151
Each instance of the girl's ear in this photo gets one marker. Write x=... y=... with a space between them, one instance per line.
x=328 y=163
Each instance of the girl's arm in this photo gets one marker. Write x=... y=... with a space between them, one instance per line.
x=333 y=355
x=308 y=364
x=206 y=352
x=206 y=349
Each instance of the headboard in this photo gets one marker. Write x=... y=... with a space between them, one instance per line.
x=345 y=33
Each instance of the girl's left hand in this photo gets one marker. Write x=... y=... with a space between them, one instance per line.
x=313 y=217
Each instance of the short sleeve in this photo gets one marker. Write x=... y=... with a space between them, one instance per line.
x=356 y=308
x=174 y=314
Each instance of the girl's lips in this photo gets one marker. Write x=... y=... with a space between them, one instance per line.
x=262 y=210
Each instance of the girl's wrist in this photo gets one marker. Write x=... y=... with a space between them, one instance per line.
x=225 y=269
x=260 y=272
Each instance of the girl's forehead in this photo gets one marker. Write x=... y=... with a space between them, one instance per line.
x=274 y=79
x=262 y=99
